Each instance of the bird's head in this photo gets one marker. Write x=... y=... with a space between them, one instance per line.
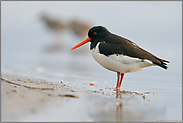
x=94 y=35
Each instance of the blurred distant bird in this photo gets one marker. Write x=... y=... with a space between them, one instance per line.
x=57 y=26
x=54 y=24
x=118 y=54
x=80 y=28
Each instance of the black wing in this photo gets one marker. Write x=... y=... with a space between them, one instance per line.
x=130 y=49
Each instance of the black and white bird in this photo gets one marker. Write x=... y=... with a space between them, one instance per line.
x=118 y=54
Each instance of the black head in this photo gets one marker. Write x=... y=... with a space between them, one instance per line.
x=97 y=32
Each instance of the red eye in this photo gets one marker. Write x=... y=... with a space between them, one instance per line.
x=94 y=33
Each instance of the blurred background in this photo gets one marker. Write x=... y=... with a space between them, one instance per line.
x=36 y=38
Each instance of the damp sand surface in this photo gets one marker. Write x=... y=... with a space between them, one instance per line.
x=34 y=99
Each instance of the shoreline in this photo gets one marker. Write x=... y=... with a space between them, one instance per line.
x=28 y=96
x=40 y=100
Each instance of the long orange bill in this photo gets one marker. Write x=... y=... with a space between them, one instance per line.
x=81 y=43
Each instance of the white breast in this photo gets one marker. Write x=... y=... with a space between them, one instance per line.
x=119 y=63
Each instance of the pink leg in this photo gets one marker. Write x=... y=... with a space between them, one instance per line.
x=122 y=75
x=118 y=80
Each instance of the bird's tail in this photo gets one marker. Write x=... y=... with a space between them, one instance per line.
x=163 y=63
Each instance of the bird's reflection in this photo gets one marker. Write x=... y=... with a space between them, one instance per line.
x=119 y=108
x=118 y=94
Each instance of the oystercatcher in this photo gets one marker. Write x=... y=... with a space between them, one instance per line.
x=118 y=54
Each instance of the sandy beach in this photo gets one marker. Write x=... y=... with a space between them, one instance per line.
x=29 y=99
x=18 y=101
x=33 y=99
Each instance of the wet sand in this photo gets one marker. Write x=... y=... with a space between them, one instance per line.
x=18 y=101
x=30 y=99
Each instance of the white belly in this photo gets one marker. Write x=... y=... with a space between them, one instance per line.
x=119 y=63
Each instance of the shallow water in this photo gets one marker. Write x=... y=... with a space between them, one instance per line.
x=26 y=48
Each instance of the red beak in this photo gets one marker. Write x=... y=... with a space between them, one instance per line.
x=82 y=43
